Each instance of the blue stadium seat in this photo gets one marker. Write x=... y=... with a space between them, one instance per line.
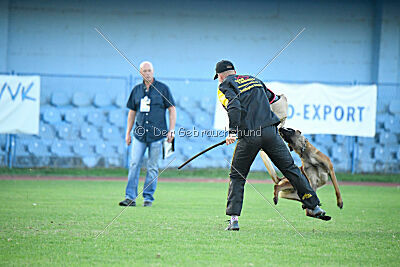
x=73 y=116
x=102 y=100
x=120 y=101
x=342 y=165
x=384 y=154
x=183 y=119
x=379 y=166
x=203 y=120
x=82 y=148
x=114 y=161
x=117 y=117
x=186 y=103
x=388 y=138
x=207 y=104
x=323 y=139
x=46 y=131
x=90 y=161
x=394 y=106
x=61 y=149
x=89 y=132
x=81 y=99
x=104 y=149
x=391 y=124
x=38 y=148
x=258 y=165
x=96 y=117
x=188 y=150
x=67 y=131
x=366 y=141
x=21 y=149
x=120 y=147
x=380 y=121
x=217 y=154
x=3 y=140
x=228 y=150
x=59 y=99
x=202 y=162
x=51 y=115
x=366 y=166
x=365 y=153
x=340 y=152
x=111 y=133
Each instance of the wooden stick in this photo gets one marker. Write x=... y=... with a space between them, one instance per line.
x=202 y=152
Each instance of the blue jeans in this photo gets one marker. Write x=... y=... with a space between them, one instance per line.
x=137 y=152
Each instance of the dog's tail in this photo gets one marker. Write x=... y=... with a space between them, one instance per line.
x=269 y=167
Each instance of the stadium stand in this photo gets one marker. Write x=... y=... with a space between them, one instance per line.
x=73 y=116
x=117 y=117
x=90 y=131
x=51 y=115
x=104 y=149
x=61 y=149
x=82 y=149
x=46 y=131
x=96 y=117
x=66 y=131
x=111 y=133
x=394 y=107
x=38 y=148
x=102 y=100
x=81 y=99
x=59 y=99
x=120 y=101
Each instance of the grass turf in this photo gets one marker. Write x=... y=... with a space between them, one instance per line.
x=55 y=222
x=174 y=173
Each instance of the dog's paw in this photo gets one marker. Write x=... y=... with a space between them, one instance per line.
x=275 y=200
x=340 y=204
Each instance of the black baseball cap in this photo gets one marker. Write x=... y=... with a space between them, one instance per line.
x=222 y=66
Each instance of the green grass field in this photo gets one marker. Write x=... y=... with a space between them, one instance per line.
x=55 y=223
x=184 y=173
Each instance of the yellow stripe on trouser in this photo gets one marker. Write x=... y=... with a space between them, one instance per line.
x=222 y=98
x=234 y=151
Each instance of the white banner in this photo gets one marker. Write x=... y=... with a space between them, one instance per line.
x=19 y=104
x=324 y=109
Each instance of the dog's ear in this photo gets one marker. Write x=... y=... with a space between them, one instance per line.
x=299 y=131
x=290 y=147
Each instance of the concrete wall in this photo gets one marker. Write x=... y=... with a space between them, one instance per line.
x=186 y=38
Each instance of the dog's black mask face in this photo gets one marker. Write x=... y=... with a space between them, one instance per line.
x=293 y=137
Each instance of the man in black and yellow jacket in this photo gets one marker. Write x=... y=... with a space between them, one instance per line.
x=254 y=125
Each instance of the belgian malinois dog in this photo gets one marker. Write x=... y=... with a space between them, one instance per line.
x=316 y=167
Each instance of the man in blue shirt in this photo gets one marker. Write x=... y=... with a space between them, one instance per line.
x=147 y=103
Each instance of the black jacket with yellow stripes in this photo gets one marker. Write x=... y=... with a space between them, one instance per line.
x=247 y=101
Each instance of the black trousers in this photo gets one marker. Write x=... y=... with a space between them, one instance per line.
x=246 y=150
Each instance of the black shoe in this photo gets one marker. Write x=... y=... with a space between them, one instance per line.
x=233 y=226
x=147 y=204
x=318 y=213
x=128 y=202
